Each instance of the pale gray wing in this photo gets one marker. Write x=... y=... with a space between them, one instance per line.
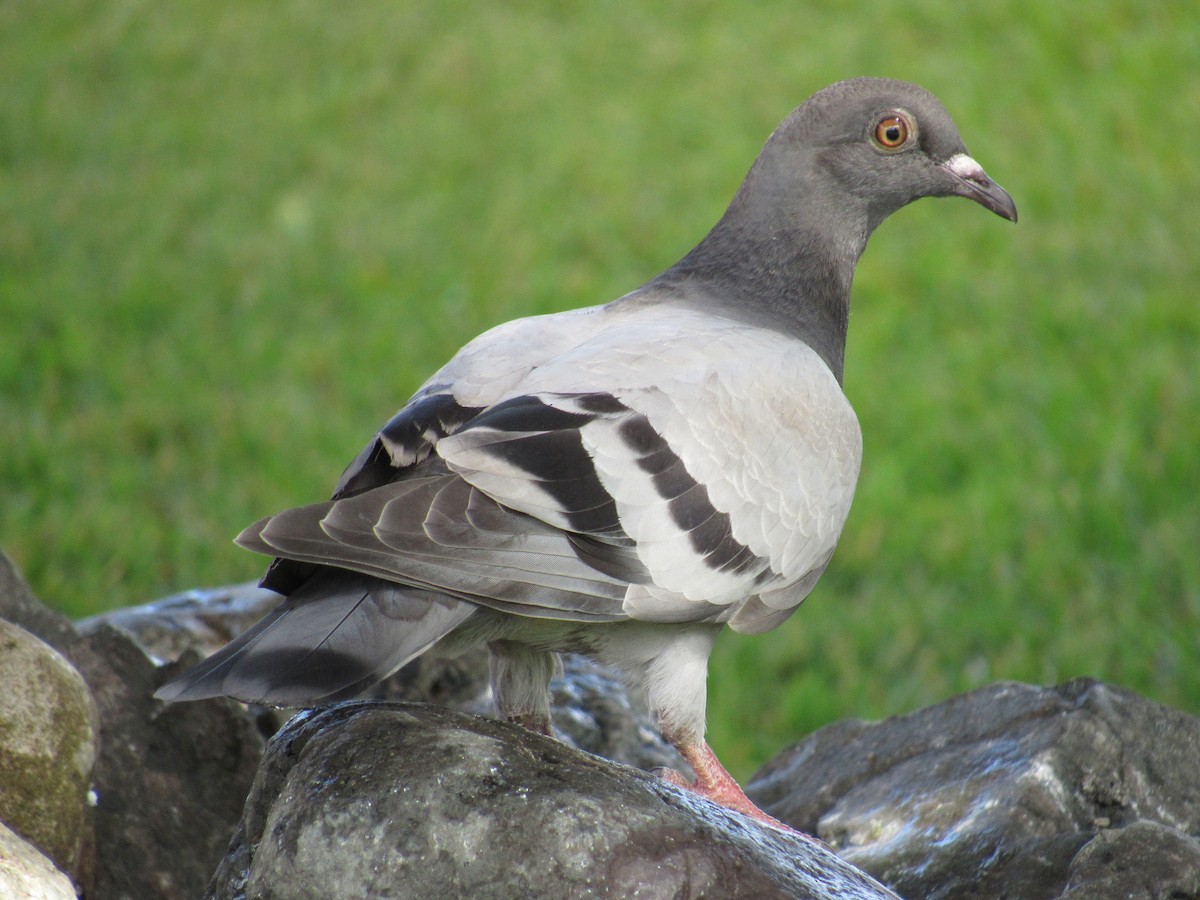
x=727 y=454
x=522 y=520
x=484 y=372
x=593 y=465
x=440 y=533
x=350 y=617
x=691 y=483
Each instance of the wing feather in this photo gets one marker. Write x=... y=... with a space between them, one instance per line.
x=703 y=461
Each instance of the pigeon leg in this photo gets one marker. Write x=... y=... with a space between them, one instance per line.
x=520 y=677
x=714 y=783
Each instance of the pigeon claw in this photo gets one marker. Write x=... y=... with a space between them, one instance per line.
x=539 y=724
x=714 y=783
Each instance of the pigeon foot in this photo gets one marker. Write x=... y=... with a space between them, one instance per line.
x=714 y=783
x=533 y=722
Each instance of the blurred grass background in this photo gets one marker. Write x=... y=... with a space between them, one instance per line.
x=234 y=237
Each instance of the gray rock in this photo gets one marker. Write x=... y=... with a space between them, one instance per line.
x=397 y=800
x=1167 y=864
x=999 y=792
x=27 y=873
x=19 y=606
x=200 y=620
x=591 y=707
x=48 y=728
x=1015 y=791
x=170 y=780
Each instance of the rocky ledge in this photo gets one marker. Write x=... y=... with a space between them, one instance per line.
x=1077 y=791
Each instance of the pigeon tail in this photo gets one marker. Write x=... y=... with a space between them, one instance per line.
x=331 y=639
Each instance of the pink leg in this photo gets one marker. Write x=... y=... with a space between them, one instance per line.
x=715 y=784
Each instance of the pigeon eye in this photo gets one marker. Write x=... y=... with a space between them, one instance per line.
x=892 y=131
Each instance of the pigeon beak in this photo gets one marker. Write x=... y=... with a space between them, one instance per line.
x=972 y=182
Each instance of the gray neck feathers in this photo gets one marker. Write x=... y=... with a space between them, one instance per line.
x=782 y=256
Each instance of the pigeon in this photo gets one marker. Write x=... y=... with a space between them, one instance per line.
x=624 y=480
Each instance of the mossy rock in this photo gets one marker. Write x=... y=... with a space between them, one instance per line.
x=48 y=730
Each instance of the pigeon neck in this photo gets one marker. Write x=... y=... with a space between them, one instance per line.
x=781 y=272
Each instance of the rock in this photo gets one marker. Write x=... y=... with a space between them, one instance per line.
x=170 y=780
x=48 y=728
x=201 y=620
x=403 y=800
x=26 y=873
x=1167 y=864
x=19 y=606
x=591 y=707
x=1079 y=791
x=1000 y=792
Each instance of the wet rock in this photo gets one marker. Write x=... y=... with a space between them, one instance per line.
x=998 y=792
x=381 y=798
x=48 y=727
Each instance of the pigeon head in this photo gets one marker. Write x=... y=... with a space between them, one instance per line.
x=879 y=144
x=783 y=255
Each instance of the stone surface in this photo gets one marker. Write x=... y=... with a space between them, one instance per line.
x=27 y=874
x=1080 y=791
x=48 y=729
x=1144 y=859
x=998 y=792
x=201 y=620
x=401 y=800
x=19 y=606
x=170 y=780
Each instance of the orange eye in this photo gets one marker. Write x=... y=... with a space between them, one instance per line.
x=892 y=131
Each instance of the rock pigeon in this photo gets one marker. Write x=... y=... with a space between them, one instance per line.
x=625 y=480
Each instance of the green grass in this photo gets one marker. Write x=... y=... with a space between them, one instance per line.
x=234 y=237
